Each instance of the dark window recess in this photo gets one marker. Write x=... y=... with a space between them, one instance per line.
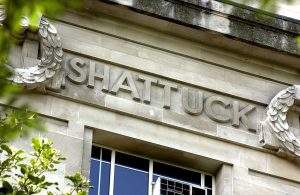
x=208 y=181
x=96 y=152
x=177 y=173
x=132 y=161
x=198 y=191
x=106 y=155
x=209 y=192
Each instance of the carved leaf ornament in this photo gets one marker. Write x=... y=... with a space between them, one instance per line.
x=274 y=131
x=51 y=55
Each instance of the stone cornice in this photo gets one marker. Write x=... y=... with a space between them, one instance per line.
x=249 y=14
x=232 y=20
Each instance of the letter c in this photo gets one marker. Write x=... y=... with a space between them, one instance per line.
x=212 y=114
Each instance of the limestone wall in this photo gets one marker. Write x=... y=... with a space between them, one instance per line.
x=215 y=139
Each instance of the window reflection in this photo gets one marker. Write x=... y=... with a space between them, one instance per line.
x=100 y=171
x=94 y=176
x=131 y=175
x=160 y=169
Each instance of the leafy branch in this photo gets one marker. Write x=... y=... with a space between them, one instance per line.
x=19 y=178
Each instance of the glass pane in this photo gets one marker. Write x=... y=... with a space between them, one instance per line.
x=155 y=177
x=100 y=168
x=208 y=181
x=94 y=177
x=132 y=161
x=209 y=192
x=96 y=152
x=176 y=173
x=106 y=155
x=198 y=191
x=131 y=175
x=130 y=182
x=105 y=177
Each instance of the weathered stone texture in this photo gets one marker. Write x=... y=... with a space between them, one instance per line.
x=210 y=133
x=235 y=21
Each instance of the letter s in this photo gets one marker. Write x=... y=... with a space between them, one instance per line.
x=79 y=75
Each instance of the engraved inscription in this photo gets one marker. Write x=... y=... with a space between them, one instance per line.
x=147 y=87
x=192 y=102
x=241 y=115
x=143 y=88
x=126 y=83
x=215 y=100
x=78 y=75
x=168 y=87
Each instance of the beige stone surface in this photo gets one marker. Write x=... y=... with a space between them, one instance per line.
x=78 y=116
x=180 y=45
x=224 y=180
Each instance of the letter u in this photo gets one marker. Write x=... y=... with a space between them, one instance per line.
x=196 y=101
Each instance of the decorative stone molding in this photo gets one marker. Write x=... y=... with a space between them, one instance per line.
x=51 y=55
x=274 y=131
x=225 y=17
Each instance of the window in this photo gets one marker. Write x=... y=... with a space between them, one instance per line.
x=117 y=173
x=160 y=169
x=131 y=175
x=100 y=171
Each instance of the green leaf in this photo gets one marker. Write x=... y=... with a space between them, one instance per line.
x=23 y=170
x=48 y=183
x=8 y=188
x=36 y=143
x=20 y=193
x=82 y=193
x=43 y=178
x=6 y=148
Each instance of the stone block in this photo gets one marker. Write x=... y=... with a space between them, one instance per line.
x=66 y=110
x=133 y=108
x=83 y=94
x=242 y=187
x=253 y=159
x=279 y=185
x=55 y=125
x=75 y=129
x=87 y=148
x=283 y=168
x=69 y=147
x=238 y=136
x=224 y=180
x=189 y=123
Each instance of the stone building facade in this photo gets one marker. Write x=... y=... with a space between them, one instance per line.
x=169 y=96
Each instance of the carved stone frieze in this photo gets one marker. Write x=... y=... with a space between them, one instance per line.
x=274 y=131
x=51 y=55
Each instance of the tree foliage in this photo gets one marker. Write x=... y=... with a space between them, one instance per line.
x=22 y=176
x=19 y=121
x=14 y=122
x=15 y=10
